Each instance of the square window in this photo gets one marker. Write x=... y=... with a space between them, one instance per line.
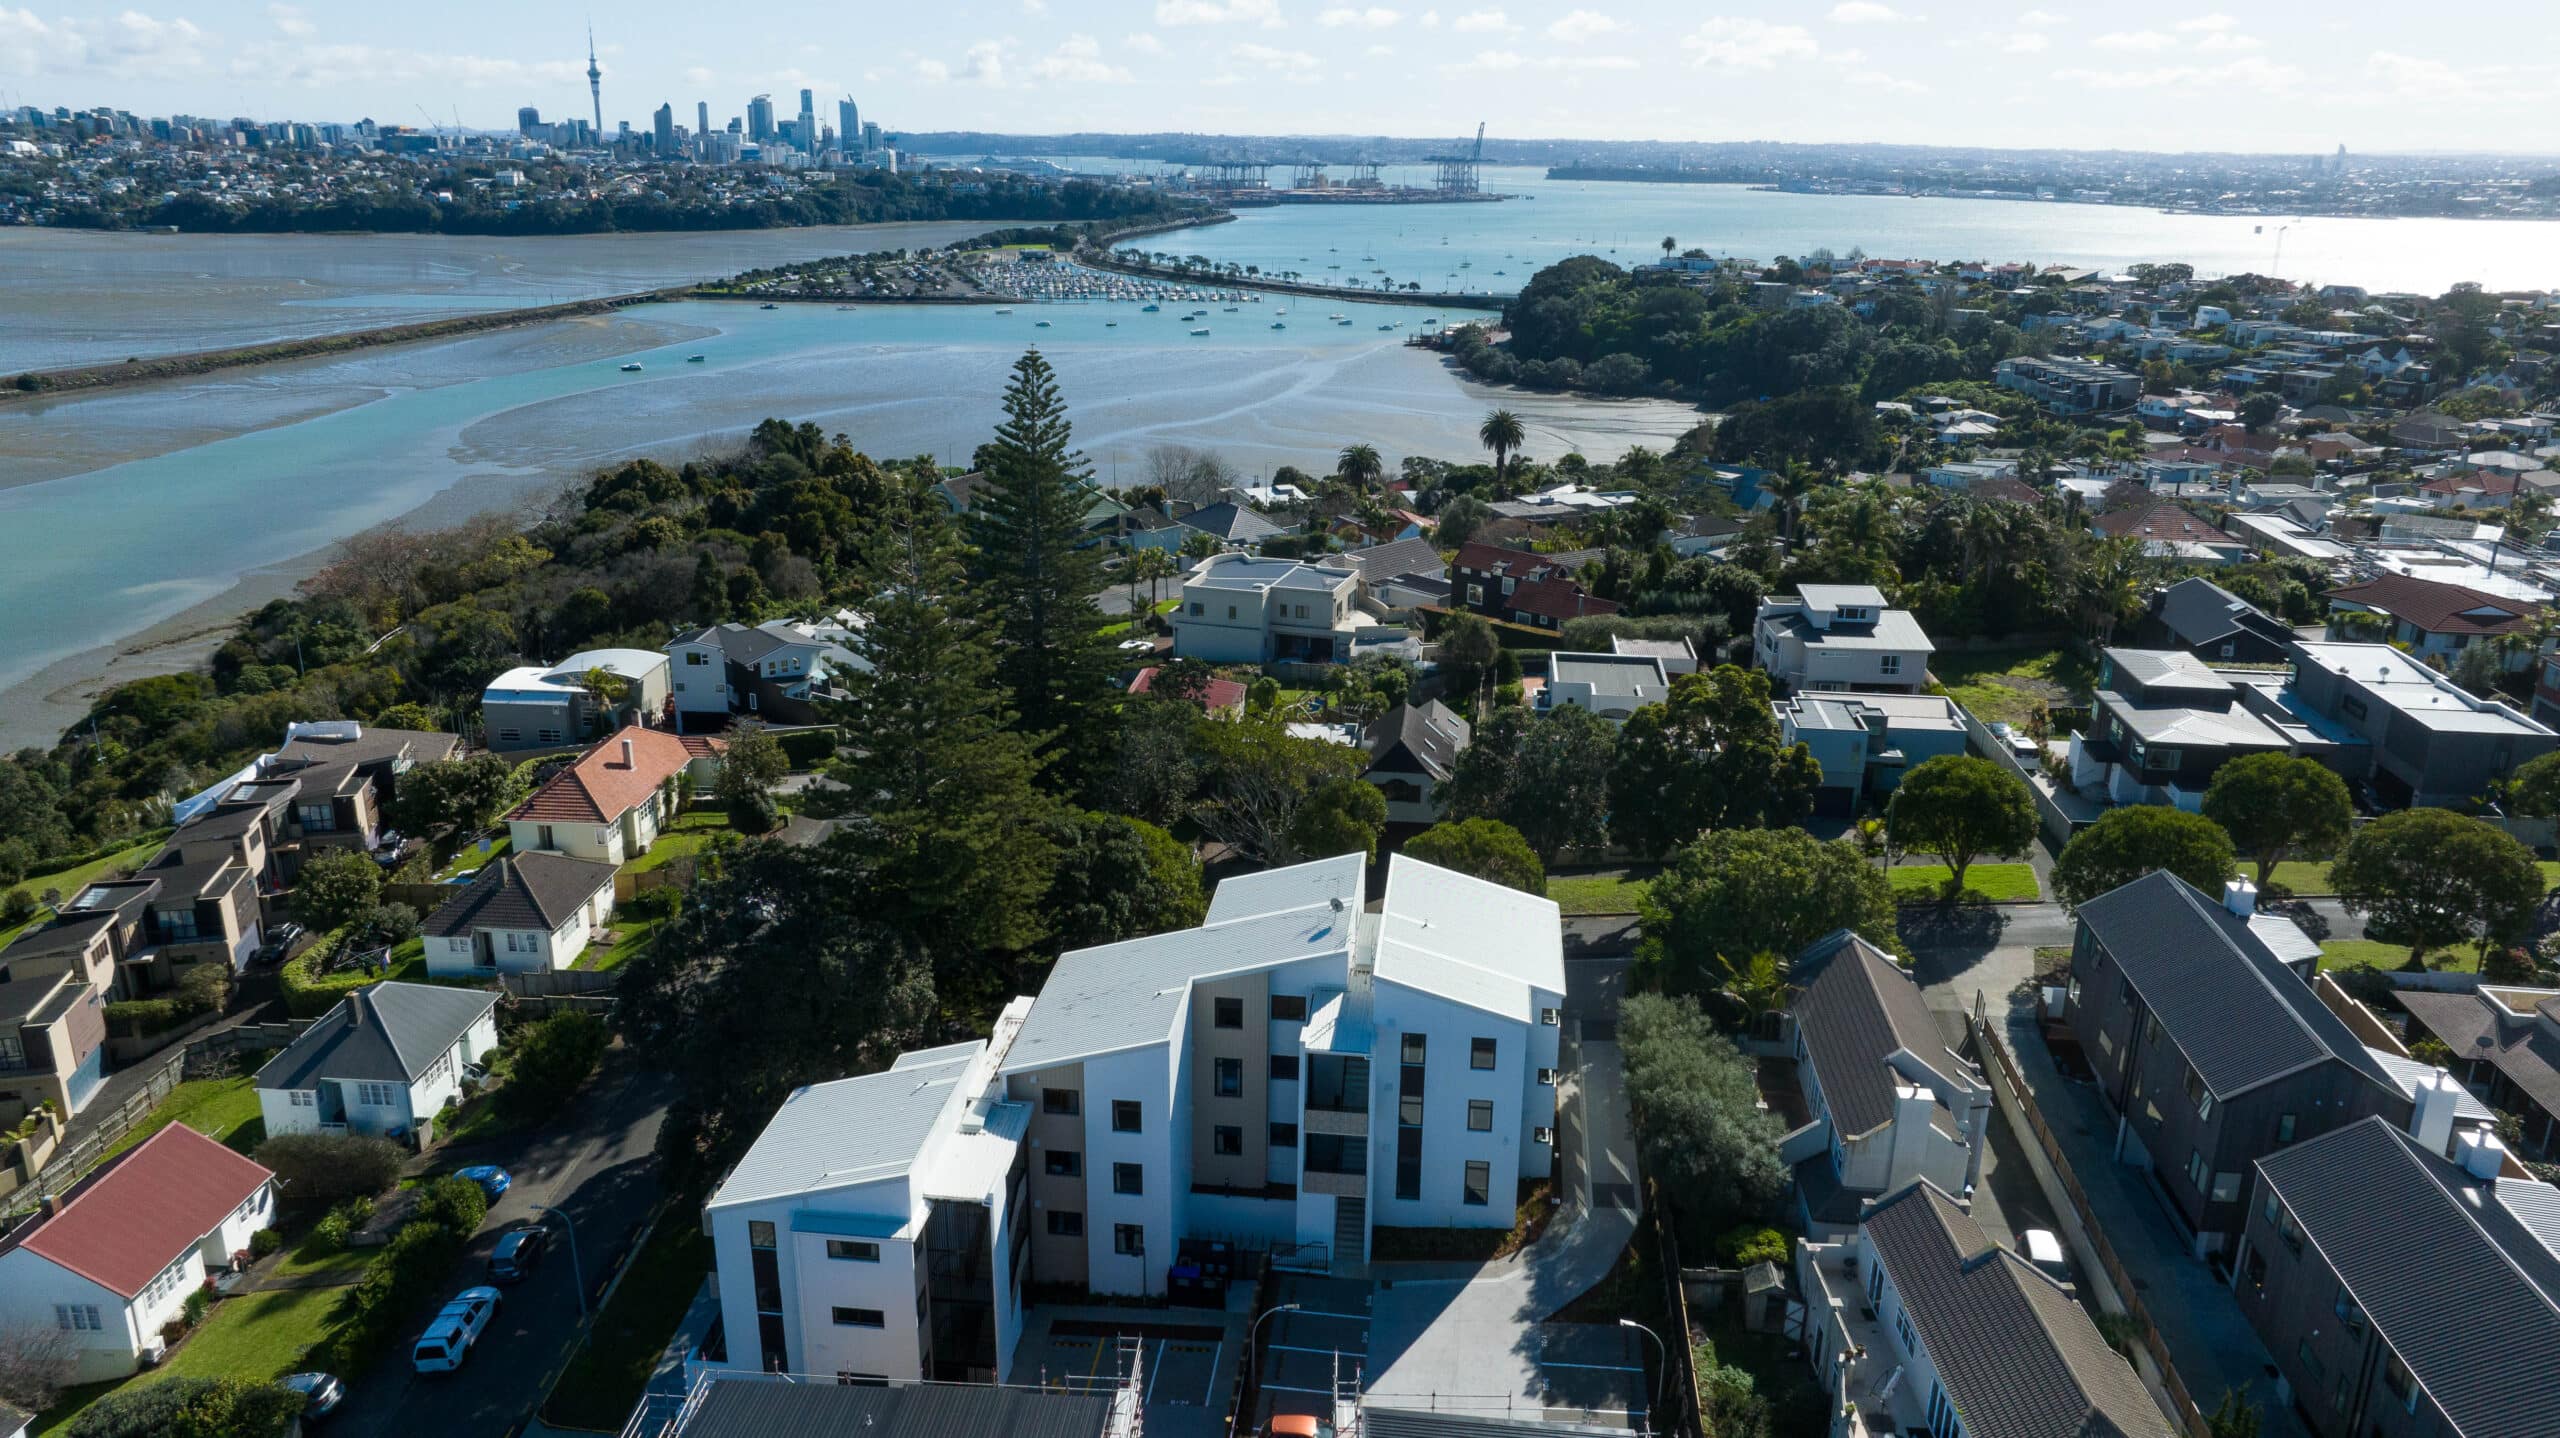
x=1480 y=1115
x=1227 y=1013
x=1289 y=1008
x=1129 y=1238
x=1065 y=1163
x=1284 y=1067
x=1480 y=1053
x=1284 y=1135
x=1414 y=1046
x=1124 y=1116
x=853 y=1250
x=759 y=1233
x=1230 y=1078
x=1226 y=1140
x=1479 y=1183
x=858 y=1318
x=1067 y=1101
x=1128 y=1178
x=1063 y=1224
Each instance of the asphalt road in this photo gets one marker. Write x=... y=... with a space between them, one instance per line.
x=598 y=1165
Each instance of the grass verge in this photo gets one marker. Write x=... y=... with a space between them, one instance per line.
x=1983 y=883
x=2375 y=954
x=1597 y=893
x=2311 y=876
x=606 y=1376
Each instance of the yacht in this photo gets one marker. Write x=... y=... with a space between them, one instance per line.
x=695 y=359
x=1279 y=324
x=1149 y=309
x=1201 y=331
x=1041 y=325
x=631 y=369
x=1003 y=311
x=768 y=305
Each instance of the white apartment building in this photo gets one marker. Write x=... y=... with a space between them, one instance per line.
x=1288 y=1075
x=1243 y=609
x=1841 y=637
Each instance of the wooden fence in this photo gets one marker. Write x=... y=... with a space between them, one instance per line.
x=425 y=898
x=1687 y=1410
x=547 y=983
x=2118 y=1293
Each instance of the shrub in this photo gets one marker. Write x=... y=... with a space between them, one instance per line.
x=330 y=1234
x=17 y=907
x=180 y=1407
x=334 y=888
x=383 y=926
x=321 y=1167
x=138 y=1017
x=1749 y=1243
x=399 y=1279
x=660 y=902
x=197 y=1305
x=551 y=1059
x=456 y=1204
x=264 y=1242
x=808 y=748
x=205 y=988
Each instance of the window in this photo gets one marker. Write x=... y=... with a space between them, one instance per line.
x=177 y=926
x=1409 y=1163
x=77 y=1317
x=1128 y=1178
x=1480 y=1053
x=1902 y=1325
x=695 y=659
x=1064 y=1163
x=1230 y=1078
x=2199 y=1173
x=1284 y=1068
x=858 y=1318
x=1124 y=1116
x=1231 y=611
x=1062 y=1101
x=1226 y=1140
x=378 y=1095
x=2284 y=1129
x=1414 y=1046
x=2199 y=1096
x=1289 y=1008
x=759 y=1233
x=851 y=1250
x=2352 y=707
x=2395 y=1377
x=1546 y=1136
x=1284 y=1135
x=2310 y=1361
x=510 y=736
x=1197 y=610
x=1480 y=1115
x=1889 y=664
x=305 y=1098
x=1063 y=1224
x=317 y=818
x=1227 y=1013
x=1479 y=1182
x=2350 y=1312
x=1129 y=1238
x=1550 y=1017
x=2226 y=1188
x=1547 y=1077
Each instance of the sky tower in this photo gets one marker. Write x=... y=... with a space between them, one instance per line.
x=595 y=83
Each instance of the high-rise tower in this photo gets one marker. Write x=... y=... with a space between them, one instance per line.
x=595 y=82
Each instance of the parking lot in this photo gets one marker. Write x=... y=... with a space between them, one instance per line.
x=1303 y=1351
x=1186 y=1359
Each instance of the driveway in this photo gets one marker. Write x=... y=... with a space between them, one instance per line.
x=599 y=1166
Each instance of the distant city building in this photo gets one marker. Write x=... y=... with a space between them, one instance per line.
x=760 y=119
x=870 y=135
x=701 y=120
x=663 y=126
x=848 y=125
x=808 y=132
x=528 y=120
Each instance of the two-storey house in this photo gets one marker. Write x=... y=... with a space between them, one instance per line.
x=1866 y=743
x=544 y=706
x=1613 y=686
x=1413 y=749
x=2161 y=724
x=612 y=803
x=2421 y=738
x=1519 y=587
x=1840 y=637
x=2208 y=1045
x=1240 y=609
x=778 y=671
x=2213 y=624
x=2435 y=620
x=520 y=914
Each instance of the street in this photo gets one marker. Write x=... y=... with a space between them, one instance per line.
x=597 y=1165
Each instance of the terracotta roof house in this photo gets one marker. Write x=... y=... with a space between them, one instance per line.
x=2434 y=619
x=116 y=1257
x=612 y=802
x=522 y=913
x=2168 y=530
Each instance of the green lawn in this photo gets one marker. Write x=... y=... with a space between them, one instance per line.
x=1597 y=893
x=1983 y=883
x=70 y=881
x=630 y=937
x=472 y=858
x=310 y=1257
x=2008 y=683
x=309 y=995
x=253 y=1335
x=687 y=838
x=1115 y=631
x=2374 y=954
x=223 y=1108
x=604 y=1380
x=2311 y=876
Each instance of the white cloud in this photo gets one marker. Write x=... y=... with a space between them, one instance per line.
x=2041 y=19
x=1496 y=60
x=1265 y=13
x=1379 y=52
x=933 y=71
x=291 y=20
x=130 y=46
x=1891 y=84
x=2209 y=24
x=1142 y=42
x=984 y=63
x=2140 y=40
x=316 y=65
x=1430 y=20
x=1581 y=26
x=1865 y=12
x=1375 y=17
x=2023 y=42
x=1591 y=62
x=2262 y=76
x=1271 y=57
x=1035 y=7
x=700 y=77
x=1485 y=22
x=1736 y=43
x=1079 y=60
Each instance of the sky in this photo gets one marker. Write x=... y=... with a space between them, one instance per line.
x=2257 y=75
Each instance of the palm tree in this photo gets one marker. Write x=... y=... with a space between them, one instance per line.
x=1789 y=487
x=1359 y=463
x=1668 y=245
x=1155 y=567
x=2111 y=587
x=1501 y=433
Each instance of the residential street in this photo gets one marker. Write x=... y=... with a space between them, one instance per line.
x=597 y=1165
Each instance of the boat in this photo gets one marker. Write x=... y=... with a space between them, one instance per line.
x=631 y=369
x=695 y=359
x=1042 y=325
x=1279 y=324
x=1337 y=314
x=1200 y=331
x=1346 y=324
x=1386 y=327
x=768 y=305
x=1149 y=309
x=1231 y=309
x=1111 y=324
x=1003 y=311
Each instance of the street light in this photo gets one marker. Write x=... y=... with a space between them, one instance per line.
x=577 y=1270
x=1233 y=1414
x=1665 y=1353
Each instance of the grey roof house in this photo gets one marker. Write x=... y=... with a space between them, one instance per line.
x=521 y=913
x=2161 y=724
x=1413 y=748
x=2213 y=624
x=384 y=1062
x=2506 y=1047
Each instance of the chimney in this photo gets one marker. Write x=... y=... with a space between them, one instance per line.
x=2240 y=896
x=627 y=761
x=2481 y=1155
x=2431 y=1122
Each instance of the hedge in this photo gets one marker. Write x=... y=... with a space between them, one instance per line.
x=410 y=1268
x=808 y=748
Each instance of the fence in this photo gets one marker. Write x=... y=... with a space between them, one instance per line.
x=2116 y=1290
x=2057 y=823
x=548 y=983
x=543 y=1006
x=677 y=873
x=1688 y=1409
x=425 y=898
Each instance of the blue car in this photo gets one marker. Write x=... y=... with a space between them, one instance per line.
x=492 y=1179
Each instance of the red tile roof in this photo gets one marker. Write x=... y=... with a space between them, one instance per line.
x=2493 y=484
x=121 y=1226
x=1556 y=599
x=2437 y=607
x=599 y=788
x=1221 y=695
x=2162 y=521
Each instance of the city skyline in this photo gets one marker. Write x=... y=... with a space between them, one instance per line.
x=2291 y=76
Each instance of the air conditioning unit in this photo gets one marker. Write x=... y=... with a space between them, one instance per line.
x=154 y=1349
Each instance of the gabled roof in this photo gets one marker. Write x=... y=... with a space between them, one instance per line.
x=599 y=788
x=1403 y=559
x=1422 y=738
x=2517 y=1045
x=1514 y=563
x=1855 y=1009
x=1232 y=522
x=851 y=1131
x=2197 y=610
x=533 y=890
x=2454 y=1280
x=2241 y=1018
x=2017 y=1356
x=2437 y=607
x=2161 y=521
x=387 y=1032
x=124 y=1224
x=1557 y=599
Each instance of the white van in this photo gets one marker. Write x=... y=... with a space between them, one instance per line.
x=453 y=1330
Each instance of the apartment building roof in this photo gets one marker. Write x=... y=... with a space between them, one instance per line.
x=2437 y=1259
x=123 y=1225
x=2414 y=690
x=2016 y=1354
x=2238 y=1015
x=1468 y=940
x=1855 y=1008
x=533 y=890
x=2437 y=607
x=851 y=1130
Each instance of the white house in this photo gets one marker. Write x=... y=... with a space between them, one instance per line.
x=522 y=913
x=610 y=805
x=1866 y=743
x=774 y=670
x=114 y=1260
x=1612 y=686
x=1242 y=609
x=1841 y=637
x=538 y=706
x=387 y=1059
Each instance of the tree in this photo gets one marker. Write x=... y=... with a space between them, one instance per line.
x=334 y=887
x=785 y=969
x=2127 y=843
x=460 y=797
x=325 y=1167
x=1547 y=777
x=2259 y=410
x=1152 y=567
x=1959 y=807
x=2276 y=805
x=1119 y=878
x=456 y=1203
x=1041 y=581
x=2533 y=791
x=1704 y=1133
x=1258 y=776
x=1341 y=816
x=2431 y=877
x=36 y=1364
x=1460 y=518
x=749 y=768
x=549 y=1062
x=1486 y=848
x=948 y=810
x=1468 y=649
x=1502 y=433
x=1707 y=757
x=2234 y=1417
x=1360 y=466
x=188 y=1407
x=1739 y=892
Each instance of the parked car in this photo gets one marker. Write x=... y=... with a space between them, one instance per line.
x=321 y=1393
x=280 y=942
x=2046 y=1252
x=492 y=1179
x=454 y=1329
x=519 y=1254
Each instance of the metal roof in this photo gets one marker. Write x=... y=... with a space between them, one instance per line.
x=1468 y=940
x=532 y=890
x=1131 y=994
x=389 y=1032
x=757 y=1406
x=1855 y=1008
x=849 y=1131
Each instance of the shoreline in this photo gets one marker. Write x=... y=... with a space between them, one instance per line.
x=1426 y=299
